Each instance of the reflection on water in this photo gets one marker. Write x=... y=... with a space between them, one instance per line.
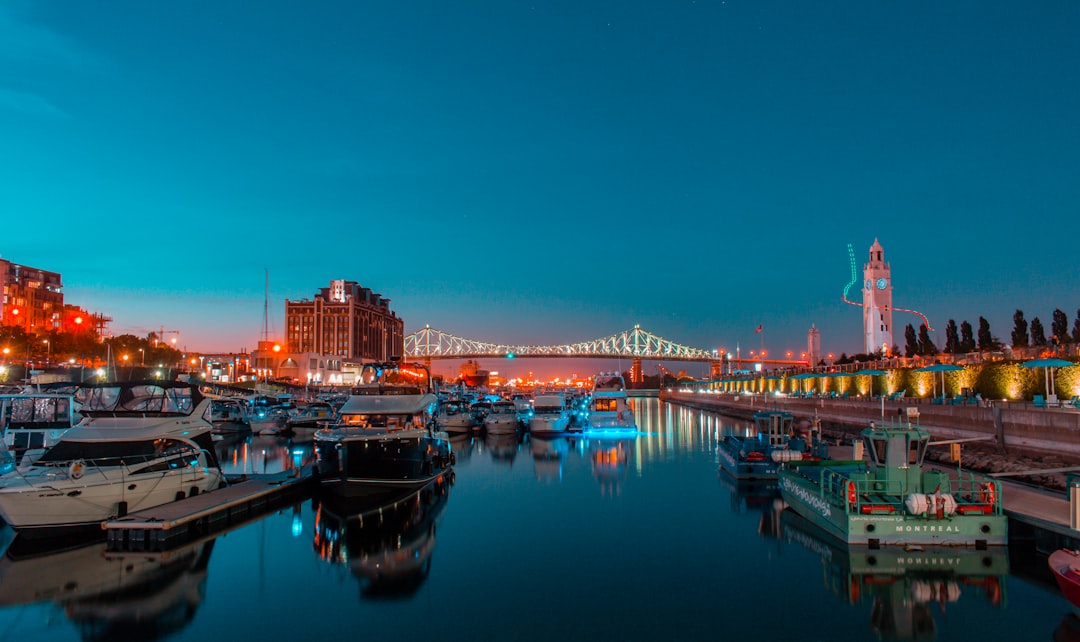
x=386 y=540
x=108 y=595
x=503 y=448
x=549 y=454
x=903 y=587
x=756 y=496
x=251 y=454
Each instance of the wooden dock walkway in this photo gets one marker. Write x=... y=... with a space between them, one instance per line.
x=244 y=499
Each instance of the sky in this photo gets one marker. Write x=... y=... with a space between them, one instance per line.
x=544 y=173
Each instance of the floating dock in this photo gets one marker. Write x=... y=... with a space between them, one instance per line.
x=245 y=499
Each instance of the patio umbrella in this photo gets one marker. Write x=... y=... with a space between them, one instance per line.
x=1049 y=364
x=942 y=368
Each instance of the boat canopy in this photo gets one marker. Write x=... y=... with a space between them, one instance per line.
x=389 y=403
x=138 y=398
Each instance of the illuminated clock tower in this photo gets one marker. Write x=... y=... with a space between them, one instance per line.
x=877 y=302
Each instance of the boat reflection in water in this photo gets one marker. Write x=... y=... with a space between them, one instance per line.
x=548 y=454
x=756 y=496
x=609 y=459
x=385 y=540
x=252 y=454
x=902 y=585
x=108 y=595
x=462 y=445
x=503 y=447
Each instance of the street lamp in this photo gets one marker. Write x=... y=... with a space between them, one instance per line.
x=48 y=351
x=142 y=357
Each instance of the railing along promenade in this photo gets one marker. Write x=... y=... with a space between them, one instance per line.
x=1012 y=426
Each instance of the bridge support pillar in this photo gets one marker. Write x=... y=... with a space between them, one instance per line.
x=636 y=375
x=716 y=368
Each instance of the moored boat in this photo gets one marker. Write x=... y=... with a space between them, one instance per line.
x=550 y=415
x=310 y=416
x=1065 y=566
x=455 y=416
x=141 y=445
x=759 y=456
x=501 y=419
x=609 y=407
x=891 y=499
x=32 y=423
x=384 y=438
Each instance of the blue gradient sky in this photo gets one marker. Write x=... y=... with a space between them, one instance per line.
x=537 y=172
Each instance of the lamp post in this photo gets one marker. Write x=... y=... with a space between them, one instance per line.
x=48 y=351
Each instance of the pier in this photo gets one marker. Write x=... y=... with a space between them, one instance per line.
x=244 y=500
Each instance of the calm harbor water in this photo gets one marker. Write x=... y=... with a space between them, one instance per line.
x=637 y=538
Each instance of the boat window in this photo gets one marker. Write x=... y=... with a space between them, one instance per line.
x=169 y=454
x=605 y=405
x=916 y=451
x=103 y=453
x=138 y=398
x=877 y=448
x=38 y=412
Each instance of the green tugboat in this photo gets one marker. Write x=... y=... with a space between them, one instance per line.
x=892 y=500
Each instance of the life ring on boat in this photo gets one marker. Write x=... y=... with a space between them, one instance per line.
x=76 y=469
x=989 y=493
x=755 y=455
x=852 y=497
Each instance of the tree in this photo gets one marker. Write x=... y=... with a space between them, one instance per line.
x=1076 y=328
x=986 y=340
x=1038 y=336
x=1059 y=327
x=911 y=344
x=967 y=339
x=926 y=346
x=952 y=338
x=1020 y=331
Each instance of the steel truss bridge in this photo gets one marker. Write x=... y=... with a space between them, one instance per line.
x=635 y=343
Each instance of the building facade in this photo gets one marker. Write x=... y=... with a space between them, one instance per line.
x=33 y=299
x=346 y=321
x=877 y=302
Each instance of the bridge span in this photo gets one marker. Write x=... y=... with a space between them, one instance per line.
x=635 y=344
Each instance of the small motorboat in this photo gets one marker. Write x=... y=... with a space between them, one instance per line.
x=1065 y=565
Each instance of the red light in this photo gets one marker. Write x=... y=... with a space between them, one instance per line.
x=15 y=311
x=78 y=320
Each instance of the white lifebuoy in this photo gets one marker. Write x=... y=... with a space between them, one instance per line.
x=76 y=469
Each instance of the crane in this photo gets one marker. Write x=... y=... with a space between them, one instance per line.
x=162 y=333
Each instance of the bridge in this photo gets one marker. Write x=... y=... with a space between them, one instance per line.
x=635 y=344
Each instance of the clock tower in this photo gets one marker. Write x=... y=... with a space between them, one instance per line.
x=877 y=302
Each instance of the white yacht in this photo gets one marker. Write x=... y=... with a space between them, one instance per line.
x=609 y=407
x=502 y=419
x=229 y=414
x=455 y=416
x=550 y=415
x=141 y=445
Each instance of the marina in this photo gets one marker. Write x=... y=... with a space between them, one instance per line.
x=495 y=523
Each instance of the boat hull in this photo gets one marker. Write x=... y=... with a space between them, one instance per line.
x=68 y=503
x=356 y=467
x=549 y=424
x=733 y=460
x=1065 y=566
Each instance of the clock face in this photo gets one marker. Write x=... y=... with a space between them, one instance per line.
x=869 y=283
x=881 y=283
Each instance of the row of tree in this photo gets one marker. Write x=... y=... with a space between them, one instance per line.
x=60 y=347
x=961 y=339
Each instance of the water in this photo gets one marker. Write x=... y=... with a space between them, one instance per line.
x=634 y=538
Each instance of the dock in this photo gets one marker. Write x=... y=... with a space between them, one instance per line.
x=245 y=499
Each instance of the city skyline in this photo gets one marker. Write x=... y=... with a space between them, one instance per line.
x=544 y=174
